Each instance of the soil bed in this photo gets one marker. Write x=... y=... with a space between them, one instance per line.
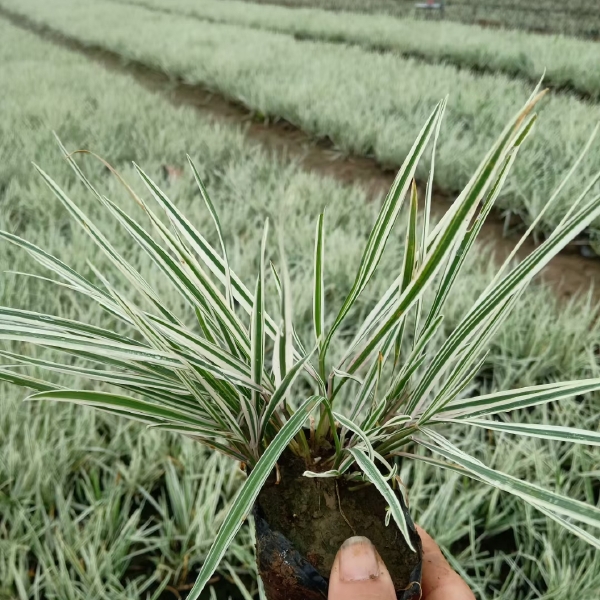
x=318 y=515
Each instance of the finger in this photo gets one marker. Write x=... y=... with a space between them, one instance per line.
x=358 y=573
x=440 y=581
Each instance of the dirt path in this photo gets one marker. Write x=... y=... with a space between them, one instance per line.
x=568 y=273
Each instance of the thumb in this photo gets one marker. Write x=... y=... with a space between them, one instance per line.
x=440 y=581
x=358 y=573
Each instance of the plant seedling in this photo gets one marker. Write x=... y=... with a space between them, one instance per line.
x=229 y=377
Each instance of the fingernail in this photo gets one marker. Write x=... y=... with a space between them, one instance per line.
x=358 y=560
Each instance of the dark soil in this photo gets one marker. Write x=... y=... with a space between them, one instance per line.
x=569 y=273
x=318 y=515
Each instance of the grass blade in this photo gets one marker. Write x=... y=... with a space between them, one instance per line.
x=499 y=402
x=385 y=221
x=533 y=494
x=372 y=473
x=549 y=432
x=319 y=286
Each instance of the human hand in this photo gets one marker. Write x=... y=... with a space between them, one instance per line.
x=358 y=573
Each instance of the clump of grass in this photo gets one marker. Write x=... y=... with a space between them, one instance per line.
x=231 y=381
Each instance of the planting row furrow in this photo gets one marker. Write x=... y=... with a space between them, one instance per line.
x=366 y=103
x=568 y=63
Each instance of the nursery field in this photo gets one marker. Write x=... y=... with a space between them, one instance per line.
x=569 y=64
x=94 y=507
x=323 y=88
x=579 y=18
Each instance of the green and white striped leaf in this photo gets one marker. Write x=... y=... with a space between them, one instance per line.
x=369 y=468
x=203 y=249
x=548 y=432
x=87 y=224
x=319 y=284
x=286 y=341
x=502 y=294
x=348 y=424
x=257 y=338
x=128 y=406
x=387 y=313
x=26 y=381
x=386 y=219
x=499 y=402
x=282 y=390
x=215 y=217
x=529 y=492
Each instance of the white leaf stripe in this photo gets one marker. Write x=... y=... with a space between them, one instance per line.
x=529 y=492
x=550 y=432
x=372 y=473
x=498 y=402
x=243 y=502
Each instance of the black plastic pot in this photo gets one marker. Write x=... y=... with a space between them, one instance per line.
x=292 y=573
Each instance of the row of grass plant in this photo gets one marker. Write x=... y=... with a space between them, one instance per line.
x=366 y=103
x=568 y=63
x=578 y=19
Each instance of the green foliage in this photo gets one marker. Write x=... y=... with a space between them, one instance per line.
x=567 y=62
x=48 y=450
x=366 y=103
x=215 y=386
x=577 y=18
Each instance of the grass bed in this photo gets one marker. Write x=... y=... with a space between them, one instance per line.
x=580 y=18
x=93 y=507
x=569 y=63
x=366 y=103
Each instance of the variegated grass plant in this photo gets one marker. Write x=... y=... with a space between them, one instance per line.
x=231 y=380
